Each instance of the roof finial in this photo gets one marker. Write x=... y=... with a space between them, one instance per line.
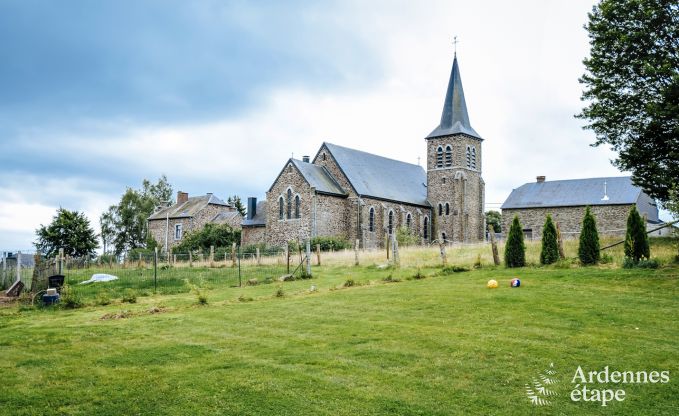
x=455 y=42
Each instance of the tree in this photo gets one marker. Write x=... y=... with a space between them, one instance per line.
x=550 y=250
x=130 y=215
x=494 y=218
x=107 y=226
x=636 y=239
x=217 y=235
x=515 y=249
x=69 y=230
x=632 y=86
x=237 y=203
x=588 y=250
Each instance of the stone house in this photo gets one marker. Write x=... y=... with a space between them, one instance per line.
x=355 y=195
x=610 y=200
x=169 y=224
x=254 y=224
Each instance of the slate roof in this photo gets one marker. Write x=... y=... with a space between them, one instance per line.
x=454 y=118
x=187 y=209
x=574 y=192
x=319 y=178
x=260 y=216
x=224 y=217
x=380 y=177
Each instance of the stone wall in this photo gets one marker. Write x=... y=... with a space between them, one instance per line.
x=610 y=219
x=376 y=238
x=331 y=216
x=459 y=186
x=253 y=235
x=324 y=158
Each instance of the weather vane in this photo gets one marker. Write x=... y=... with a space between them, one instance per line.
x=455 y=42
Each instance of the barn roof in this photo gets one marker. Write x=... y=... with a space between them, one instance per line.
x=574 y=192
x=380 y=177
x=454 y=118
x=319 y=178
x=187 y=209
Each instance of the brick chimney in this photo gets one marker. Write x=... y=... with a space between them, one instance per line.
x=182 y=197
x=541 y=179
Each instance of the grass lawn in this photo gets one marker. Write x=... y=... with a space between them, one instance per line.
x=440 y=345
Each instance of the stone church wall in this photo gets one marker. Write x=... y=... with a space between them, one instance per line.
x=280 y=231
x=253 y=235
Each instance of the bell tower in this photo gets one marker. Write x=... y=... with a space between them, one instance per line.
x=455 y=188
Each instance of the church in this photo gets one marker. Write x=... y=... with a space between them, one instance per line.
x=355 y=195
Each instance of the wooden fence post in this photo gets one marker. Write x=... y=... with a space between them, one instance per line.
x=493 y=245
x=190 y=259
x=356 y=252
x=259 y=258
x=233 y=255
x=442 y=248
x=61 y=261
x=387 y=243
x=287 y=258
x=212 y=256
x=559 y=242
x=318 y=254
x=397 y=259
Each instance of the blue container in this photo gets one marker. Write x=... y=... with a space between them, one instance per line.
x=50 y=299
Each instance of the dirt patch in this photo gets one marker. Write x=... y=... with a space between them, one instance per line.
x=129 y=314
x=7 y=300
x=117 y=315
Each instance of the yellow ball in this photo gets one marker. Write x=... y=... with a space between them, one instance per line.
x=492 y=284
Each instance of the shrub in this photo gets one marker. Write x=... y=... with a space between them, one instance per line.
x=349 y=283
x=129 y=296
x=330 y=243
x=648 y=264
x=103 y=298
x=550 y=250
x=280 y=293
x=70 y=298
x=606 y=259
x=588 y=250
x=391 y=279
x=201 y=297
x=515 y=249
x=406 y=237
x=217 y=235
x=454 y=269
x=243 y=298
x=636 y=239
x=419 y=275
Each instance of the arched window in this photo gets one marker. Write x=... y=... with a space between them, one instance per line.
x=447 y=208
x=408 y=220
x=449 y=156
x=469 y=157
x=426 y=228
x=371 y=220
x=473 y=164
x=324 y=158
x=390 y=227
x=289 y=203
x=443 y=237
x=439 y=157
x=440 y=210
x=297 y=206
x=281 y=210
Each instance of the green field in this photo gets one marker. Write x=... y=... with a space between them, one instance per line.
x=443 y=344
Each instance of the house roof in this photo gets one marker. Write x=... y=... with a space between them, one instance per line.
x=224 y=217
x=187 y=209
x=454 y=118
x=380 y=177
x=574 y=192
x=319 y=178
x=260 y=216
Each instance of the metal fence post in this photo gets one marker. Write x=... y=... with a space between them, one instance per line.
x=155 y=270
x=240 y=284
x=18 y=266
x=308 y=257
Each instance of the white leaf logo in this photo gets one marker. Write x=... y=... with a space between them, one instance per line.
x=538 y=392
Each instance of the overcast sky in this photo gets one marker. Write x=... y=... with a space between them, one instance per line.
x=96 y=96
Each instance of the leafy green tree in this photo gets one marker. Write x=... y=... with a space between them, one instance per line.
x=237 y=203
x=69 y=230
x=130 y=215
x=494 y=219
x=515 y=249
x=217 y=235
x=632 y=88
x=550 y=250
x=107 y=227
x=588 y=250
x=636 y=239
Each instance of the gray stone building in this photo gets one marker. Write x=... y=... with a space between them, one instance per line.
x=610 y=200
x=169 y=224
x=355 y=195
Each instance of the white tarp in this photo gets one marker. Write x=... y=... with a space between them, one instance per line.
x=99 y=277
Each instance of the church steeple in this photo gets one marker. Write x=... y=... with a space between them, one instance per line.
x=454 y=119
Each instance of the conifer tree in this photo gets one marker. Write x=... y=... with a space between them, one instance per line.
x=636 y=239
x=588 y=251
x=515 y=250
x=550 y=249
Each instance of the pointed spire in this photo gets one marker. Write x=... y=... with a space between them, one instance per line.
x=454 y=119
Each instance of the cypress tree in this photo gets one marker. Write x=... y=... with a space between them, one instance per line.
x=636 y=239
x=588 y=251
x=550 y=249
x=515 y=250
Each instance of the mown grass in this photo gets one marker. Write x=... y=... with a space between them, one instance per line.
x=390 y=343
